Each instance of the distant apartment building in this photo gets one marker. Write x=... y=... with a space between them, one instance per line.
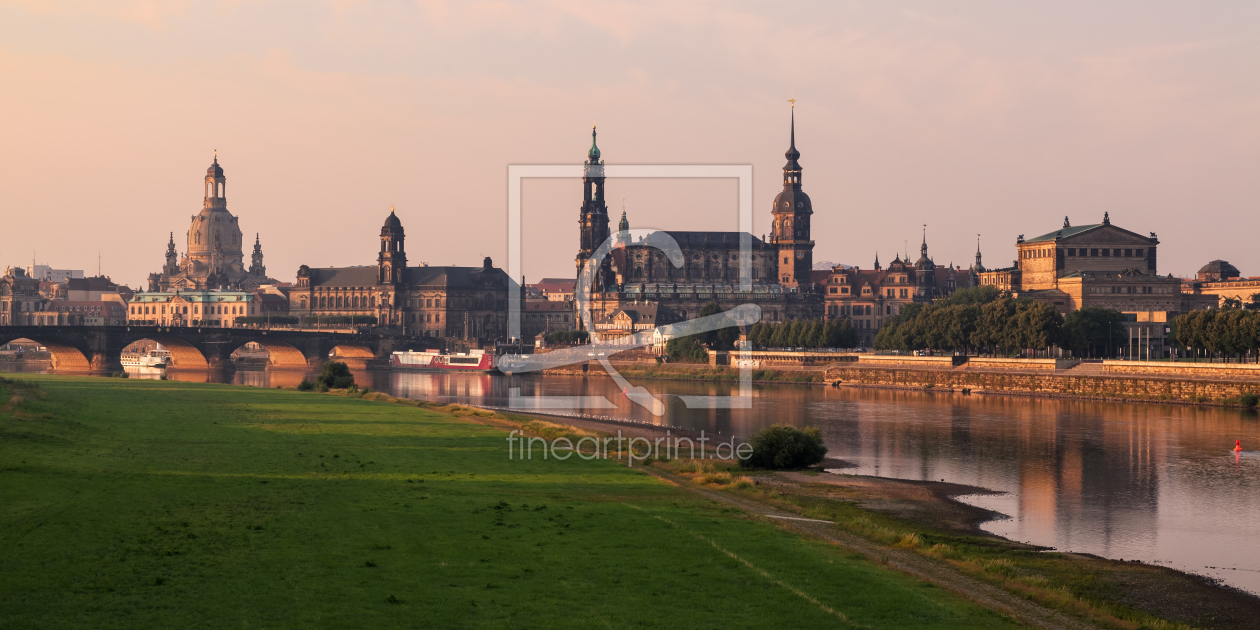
x=46 y=273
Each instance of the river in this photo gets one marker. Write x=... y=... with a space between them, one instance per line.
x=1148 y=482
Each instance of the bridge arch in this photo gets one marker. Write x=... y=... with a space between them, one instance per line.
x=64 y=357
x=281 y=354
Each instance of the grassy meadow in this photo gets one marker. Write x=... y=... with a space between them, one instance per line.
x=161 y=504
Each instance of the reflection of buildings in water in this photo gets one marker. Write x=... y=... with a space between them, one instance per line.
x=444 y=387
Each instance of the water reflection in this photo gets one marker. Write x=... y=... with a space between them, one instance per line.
x=1149 y=482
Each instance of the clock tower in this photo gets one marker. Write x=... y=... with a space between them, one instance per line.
x=791 y=214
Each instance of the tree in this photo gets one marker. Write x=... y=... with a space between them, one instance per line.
x=1085 y=332
x=335 y=375
x=686 y=350
x=971 y=296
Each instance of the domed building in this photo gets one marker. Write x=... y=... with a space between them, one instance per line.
x=1216 y=271
x=214 y=256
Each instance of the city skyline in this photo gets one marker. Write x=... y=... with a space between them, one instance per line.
x=972 y=121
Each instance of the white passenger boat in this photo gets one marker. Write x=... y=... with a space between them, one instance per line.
x=152 y=358
x=435 y=360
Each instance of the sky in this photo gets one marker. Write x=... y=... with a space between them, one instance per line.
x=973 y=118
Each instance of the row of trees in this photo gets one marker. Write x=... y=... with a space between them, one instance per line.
x=1005 y=325
x=812 y=333
x=1223 y=332
x=983 y=318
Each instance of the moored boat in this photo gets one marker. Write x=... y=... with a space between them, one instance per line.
x=435 y=360
x=152 y=358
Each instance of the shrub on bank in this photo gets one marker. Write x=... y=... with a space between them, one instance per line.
x=781 y=446
x=305 y=386
x=335 y=375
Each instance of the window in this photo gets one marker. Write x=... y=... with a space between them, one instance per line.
x=438 y=317
x=1128 y=253
x=1093 y=252
x=844 y=290
x=428 y=303
x=1106 y=252
x=868 y=309
x=1071 y=251
x=833 y=289
x=1116 y=253
x=1139 y=253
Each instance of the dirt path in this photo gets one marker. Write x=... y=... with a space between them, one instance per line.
x=907 y=562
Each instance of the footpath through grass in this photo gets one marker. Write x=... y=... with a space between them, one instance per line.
x=160 y=504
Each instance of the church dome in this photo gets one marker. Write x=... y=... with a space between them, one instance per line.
x=215 y=170
x=1220 y=269
x=392 y=223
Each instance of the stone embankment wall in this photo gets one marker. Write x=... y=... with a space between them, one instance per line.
x=1183 y=368
x=1083 y=385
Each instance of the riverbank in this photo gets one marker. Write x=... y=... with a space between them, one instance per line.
x=135 y=504
x=1067 y=384
x=924 y=519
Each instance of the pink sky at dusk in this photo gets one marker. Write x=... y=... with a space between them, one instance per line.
x=972 y=117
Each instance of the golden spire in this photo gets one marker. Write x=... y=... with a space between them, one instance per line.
x=793 y=101
x=391 y=209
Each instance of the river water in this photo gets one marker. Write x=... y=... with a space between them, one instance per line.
x=1156 y=483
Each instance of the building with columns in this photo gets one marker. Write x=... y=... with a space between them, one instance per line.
x=214 y=256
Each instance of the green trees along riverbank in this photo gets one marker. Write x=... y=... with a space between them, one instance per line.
x=1227 y=332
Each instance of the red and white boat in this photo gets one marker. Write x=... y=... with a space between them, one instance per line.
x=435 y=360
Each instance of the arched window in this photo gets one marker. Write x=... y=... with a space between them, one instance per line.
x=372 y=301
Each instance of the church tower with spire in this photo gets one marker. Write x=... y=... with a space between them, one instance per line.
x=593 y=218
x=256 y=267
x=791 y=215
x=172 y=258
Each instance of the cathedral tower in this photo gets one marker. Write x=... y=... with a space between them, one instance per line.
x=790 y=232
x=593 y=220
x=392 y=261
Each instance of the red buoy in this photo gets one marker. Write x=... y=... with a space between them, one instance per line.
x=1237 y=445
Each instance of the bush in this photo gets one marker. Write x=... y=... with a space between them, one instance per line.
x=575 y=337
x=305 y=386
x=335 y=375
x=781 y=446
x=1249 y=400
x=686 y=350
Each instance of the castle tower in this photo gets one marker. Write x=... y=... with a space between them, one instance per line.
x=392 y=261
x=790 y=232
x=256 y=267
x=593 y=219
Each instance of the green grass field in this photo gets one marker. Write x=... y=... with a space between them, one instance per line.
x=151 y=504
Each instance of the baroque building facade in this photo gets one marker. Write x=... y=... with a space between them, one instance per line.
x=214 y=256
x=440 y=303
x=868 y=297
x=637 y=275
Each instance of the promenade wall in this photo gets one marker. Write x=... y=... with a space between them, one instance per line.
x=1169 y=388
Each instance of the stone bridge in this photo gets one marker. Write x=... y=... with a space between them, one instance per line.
x=99 y=348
